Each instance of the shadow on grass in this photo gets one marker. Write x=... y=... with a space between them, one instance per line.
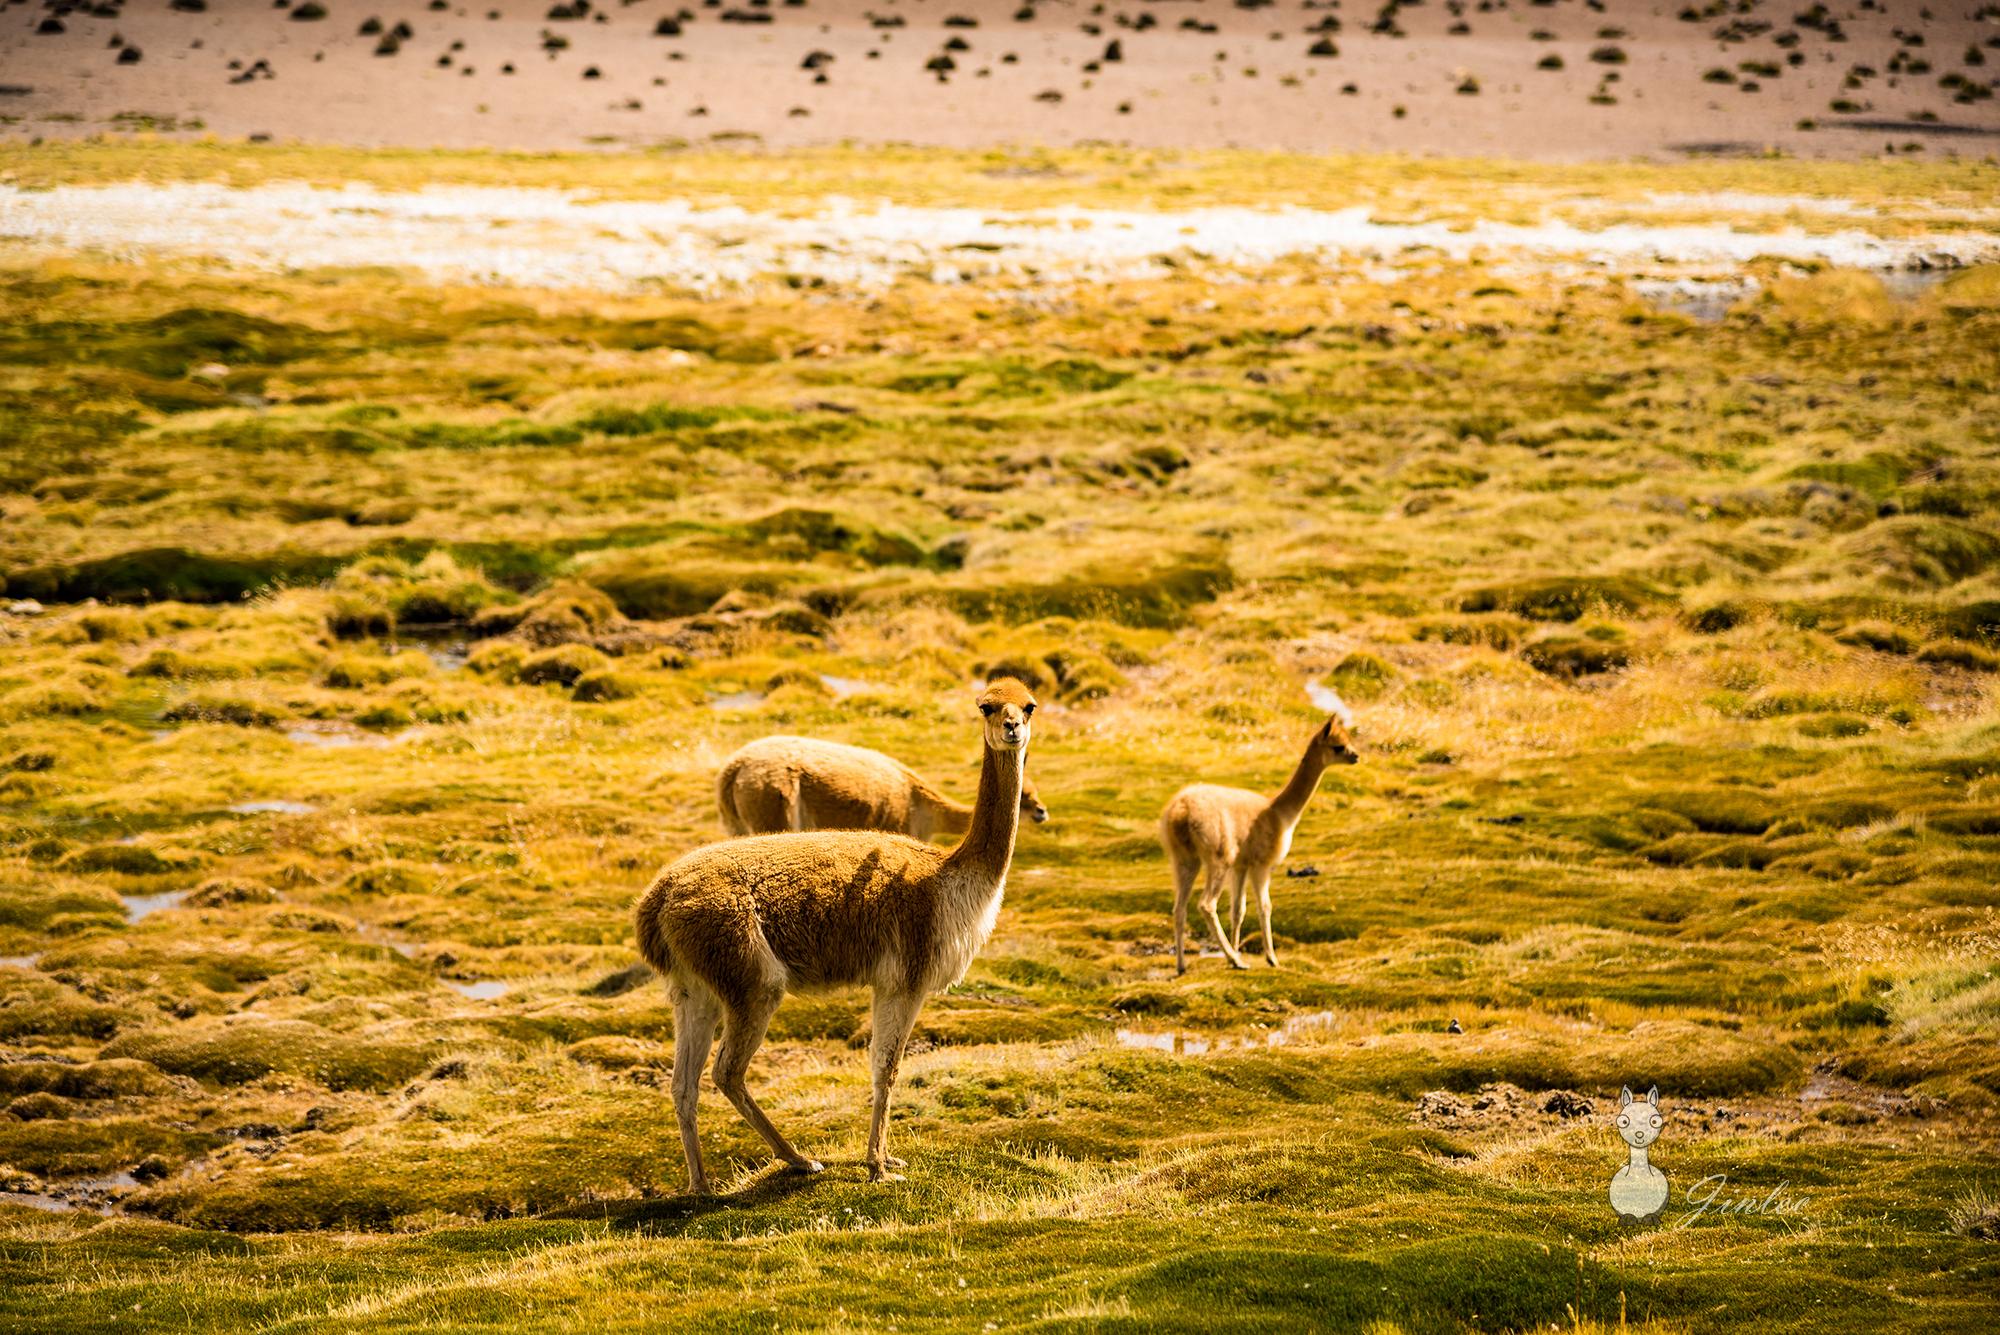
x=670 y=1213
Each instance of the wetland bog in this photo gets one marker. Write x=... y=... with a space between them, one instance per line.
x=376 y=631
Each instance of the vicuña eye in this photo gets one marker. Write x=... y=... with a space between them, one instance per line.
x=1027 y=710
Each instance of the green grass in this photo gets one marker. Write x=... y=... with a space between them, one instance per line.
x=1670 y=647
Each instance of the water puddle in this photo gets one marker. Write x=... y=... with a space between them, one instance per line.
x=370 y=932
x=736 y=700
x=1707 y=301
x=480 y=991
x=328 y=737
x=99 y=1195
x=1299 y=1029
x=18 y=961
x=447 y=644
x=140 y=906
x=842 y=687
x=279 y=807
x=1704 y=301
x=1909 y=284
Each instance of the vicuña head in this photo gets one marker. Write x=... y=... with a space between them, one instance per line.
x=1234 y=837
x=736 y=925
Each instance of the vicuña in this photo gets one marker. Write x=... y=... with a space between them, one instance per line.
x=736 y=925
x=776 y=784
x=1234 y=836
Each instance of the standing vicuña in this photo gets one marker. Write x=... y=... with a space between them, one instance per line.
x=1232 y=834
x=735 y=925
x=776 y=784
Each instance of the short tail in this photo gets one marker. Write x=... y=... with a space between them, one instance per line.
x=652 y=940
x=733 y=823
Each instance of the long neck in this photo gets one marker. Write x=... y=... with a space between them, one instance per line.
x=1638 y=1155
x=1298 y=790
x=988 y=846
x=947 y=816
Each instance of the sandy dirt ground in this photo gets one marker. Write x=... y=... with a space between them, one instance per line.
x=1452 y=77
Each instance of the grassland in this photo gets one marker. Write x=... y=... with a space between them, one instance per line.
x=394 y=632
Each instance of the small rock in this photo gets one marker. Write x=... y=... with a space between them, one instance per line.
x=254 y=1131
x=1565 y=1103
x=1442 y=1104
x=152 y=1168
x=26 y=607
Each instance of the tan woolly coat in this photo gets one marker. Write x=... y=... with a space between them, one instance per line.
x=1232 y=838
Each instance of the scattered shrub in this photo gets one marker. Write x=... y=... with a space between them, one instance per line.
x=355 y=672
x=1568 y=656
x=1960 y=653
x=225 y=890
x=1879 y=636
x=1564 y=599
x=387 y=716
x=1717 y=810
x=566 y=663
x=1361 y=676
x=1834 y=725
x=597 y=687
x=254 y=1047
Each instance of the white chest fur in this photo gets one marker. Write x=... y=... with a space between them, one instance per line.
x=971 y=907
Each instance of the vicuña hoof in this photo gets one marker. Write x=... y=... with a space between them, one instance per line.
x=891 y=1161
x=883 y=1175
x=808 y=1166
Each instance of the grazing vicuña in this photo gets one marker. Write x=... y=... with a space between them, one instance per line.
x=775 y=784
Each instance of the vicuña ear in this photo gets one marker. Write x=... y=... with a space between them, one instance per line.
x=1653 y=1096
x=1625 y=1096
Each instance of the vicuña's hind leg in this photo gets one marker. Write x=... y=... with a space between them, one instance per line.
x=1239 y=911
x=1263 y=875
x=895 y=1016
x=695 y=1014
x=1218 y=876
x=742 y=1035
x=1185 y=867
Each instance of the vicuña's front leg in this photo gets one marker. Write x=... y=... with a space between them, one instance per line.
x=895 y=1016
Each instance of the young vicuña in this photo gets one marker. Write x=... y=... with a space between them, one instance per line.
x=775 y=784
x=1237 y=836
x=736 y=925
